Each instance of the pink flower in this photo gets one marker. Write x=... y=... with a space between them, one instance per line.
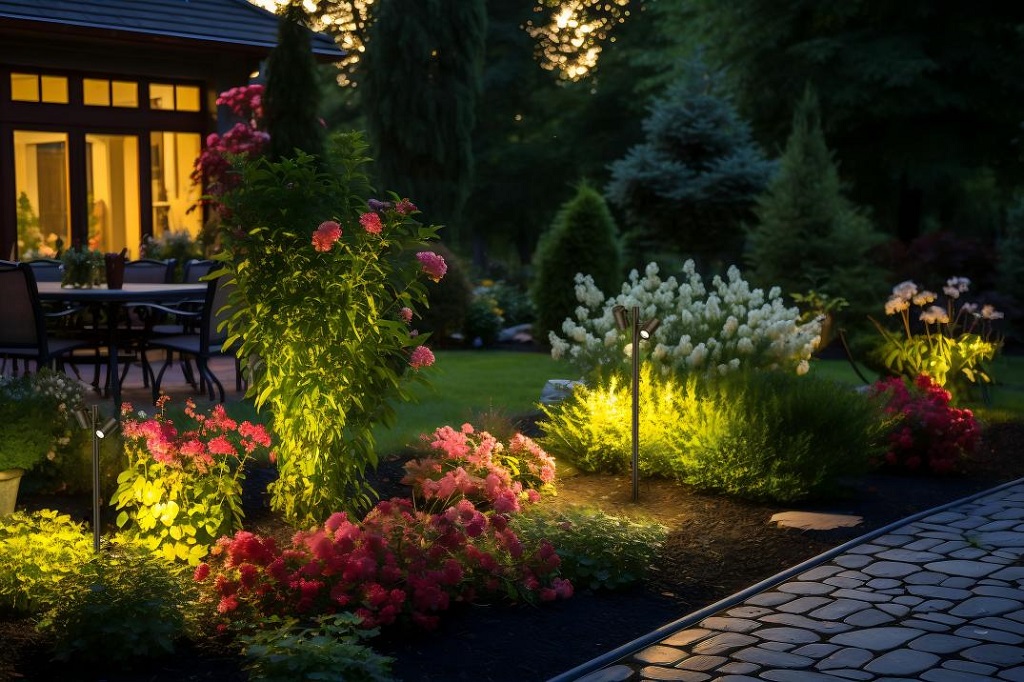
x=405 y=207
x=325 y=235
x=421 y=357
x=405 y=314
x=371 y=223
x=433 y=265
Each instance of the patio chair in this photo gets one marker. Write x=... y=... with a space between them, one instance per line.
x=47 y=269
x=23 y=333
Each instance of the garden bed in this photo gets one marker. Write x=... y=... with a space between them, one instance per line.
x=716 y=547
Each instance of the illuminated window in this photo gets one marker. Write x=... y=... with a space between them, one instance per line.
x=174 y=97
x=174 y=195
x=30 y=87
x=99 y=92
x=96 y=92
x=112 y=183
x=41 y=189
x=125 y=93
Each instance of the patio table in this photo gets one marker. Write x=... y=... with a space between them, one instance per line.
x=113 y=300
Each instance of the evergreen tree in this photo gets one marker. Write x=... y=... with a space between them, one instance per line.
x=808 y=235
x=420 y=79
x=582 y=239
x=292 y=97
x=690 y=185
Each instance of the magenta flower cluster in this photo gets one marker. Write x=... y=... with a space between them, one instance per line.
x=399 y=564
x=246 y=138
x=929 y=434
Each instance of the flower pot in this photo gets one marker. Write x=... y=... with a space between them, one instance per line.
x=10 y=479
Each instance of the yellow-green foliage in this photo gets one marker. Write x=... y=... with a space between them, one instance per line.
x=37 y=552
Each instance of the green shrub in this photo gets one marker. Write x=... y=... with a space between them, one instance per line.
x=761 y=436
x=448 y=301
x=37 y=552
x=582 y=239
x=483 y=320
x=598 y=550
x=125 y=604
x=283 y=650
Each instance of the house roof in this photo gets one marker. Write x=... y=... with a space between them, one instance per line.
x=221 y=23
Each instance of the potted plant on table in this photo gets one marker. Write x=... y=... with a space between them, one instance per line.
x=82 y=267
x=35 y=426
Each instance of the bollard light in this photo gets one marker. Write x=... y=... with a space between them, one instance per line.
x=91 y=422
x=641 y=331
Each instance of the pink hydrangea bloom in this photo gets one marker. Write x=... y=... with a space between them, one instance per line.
x=371 y=223
x=421 y=357
x=405 y=207
x=326 y=235
x=405 y=314
x=433 y=265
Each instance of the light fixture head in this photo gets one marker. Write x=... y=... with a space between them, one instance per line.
x=81 y=418
x=649 y=327
x=108 y=428
x=621 y=317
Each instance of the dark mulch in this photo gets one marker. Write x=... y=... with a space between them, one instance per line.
x=716 y=547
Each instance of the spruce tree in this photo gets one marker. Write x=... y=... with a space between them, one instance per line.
x=691 y=183
x=808 y=235
x=420 y=79
x=582 y=239
x=292 y=97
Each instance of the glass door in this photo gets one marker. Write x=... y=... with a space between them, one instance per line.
x=112 y=187
x=42 y=194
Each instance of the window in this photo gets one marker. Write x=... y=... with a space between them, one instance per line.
x=172 y=156
x=174 y=97
x=112 y=184
x=98 y=92
x=41 y=188
x=31 y=87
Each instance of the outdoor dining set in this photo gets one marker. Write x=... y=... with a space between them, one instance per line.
x=111 y=326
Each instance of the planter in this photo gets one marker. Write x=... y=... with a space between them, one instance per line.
x=10 y=479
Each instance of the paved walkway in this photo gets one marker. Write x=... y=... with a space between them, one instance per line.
x=936 y=597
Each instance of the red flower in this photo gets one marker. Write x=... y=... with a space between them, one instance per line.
x=371 y=223
x=326 y=235
x=421 y=357
x=433 y=265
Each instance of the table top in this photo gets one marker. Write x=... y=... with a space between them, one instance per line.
x=53 y=291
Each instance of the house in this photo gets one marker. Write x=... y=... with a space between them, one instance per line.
x=104 y=106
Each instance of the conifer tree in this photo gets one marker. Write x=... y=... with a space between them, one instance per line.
x=808 y=235
x=582 y=239
x=292 y=96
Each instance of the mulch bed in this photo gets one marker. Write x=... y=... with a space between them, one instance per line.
x=716 y=547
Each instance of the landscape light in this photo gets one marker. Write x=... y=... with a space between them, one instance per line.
x=641 y=331
x=98 y=433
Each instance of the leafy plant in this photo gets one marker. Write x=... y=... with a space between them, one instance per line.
x=597 y=550
x=702 y=331
x=183 y=487
x=82 y=266
x=176 y=244
x=483 y=320
x=36 y=423
x=123 y=605
x=325 y=283
x=952 y=342
x=927 y=433
x=331 y=649
x=37 y=552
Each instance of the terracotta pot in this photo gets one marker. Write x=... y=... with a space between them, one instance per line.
x=10 y=479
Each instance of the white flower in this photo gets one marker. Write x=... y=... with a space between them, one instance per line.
x=905 y=290
x=934 y=314
x=990 y=313
x=802 y=367
x=896 y=304
x=924 y=298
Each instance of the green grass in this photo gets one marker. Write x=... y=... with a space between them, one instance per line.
x=462 y=385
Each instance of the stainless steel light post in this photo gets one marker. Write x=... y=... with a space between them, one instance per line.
x=640 y=332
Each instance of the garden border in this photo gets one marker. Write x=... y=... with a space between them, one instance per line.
x=693 y=618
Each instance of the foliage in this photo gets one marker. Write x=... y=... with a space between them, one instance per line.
x=183 y=486
x=693 y=180
x=598 y=550
x=326 y=310
x=448 y=301
x=176 y=244
x=755 y=435
x=245 y=140
x=474 y=465
x=398 y=563
x=38 y=551
x=122 y=606
x=420 y=100
x=82 y=266
x=32 y=243
x=484 y=319
x=36 y=424
x=331 y=649
x=292 y=98
x=807 y=234
x=934 y=254
x=927 y=433
x=582 y=239
x=952 y=342
x=702 y=331
x=513 y=302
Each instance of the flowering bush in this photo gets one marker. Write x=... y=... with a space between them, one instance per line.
x=325 y=285
x=477 y=467
x=701 y=331
x=952 y=341
x=245 y=139
x=398 y=563
x=928 y=433
x=183 y=486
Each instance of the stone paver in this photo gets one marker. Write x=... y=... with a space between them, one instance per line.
x=939 y=598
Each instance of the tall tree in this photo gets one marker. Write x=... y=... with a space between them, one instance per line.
x=420 y=81
x=920 y=97
x=691 y=183
x=808 y=235
x=292 y=98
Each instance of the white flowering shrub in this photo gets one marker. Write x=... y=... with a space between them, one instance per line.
x=704 y=330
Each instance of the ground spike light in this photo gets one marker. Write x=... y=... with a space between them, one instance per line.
x=640 y=331
x=99 y=432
